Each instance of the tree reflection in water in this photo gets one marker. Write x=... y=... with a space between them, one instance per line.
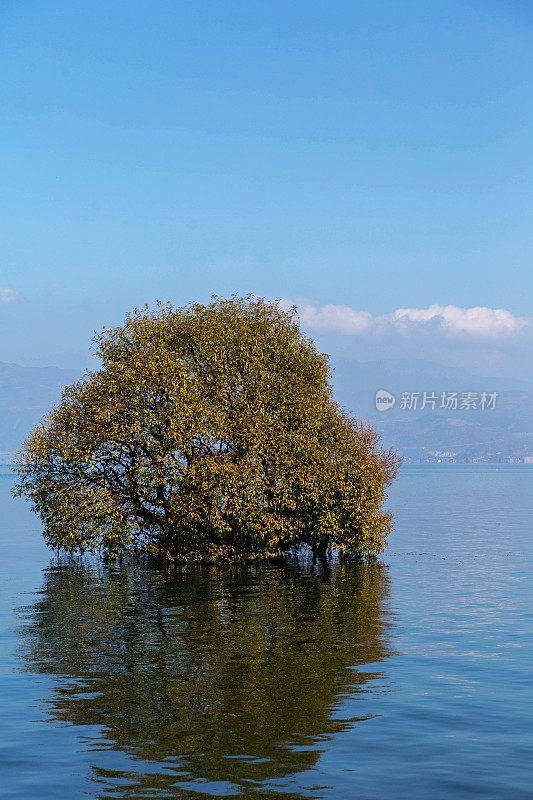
x=221 y=680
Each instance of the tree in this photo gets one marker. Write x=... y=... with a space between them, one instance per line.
x=209 y=432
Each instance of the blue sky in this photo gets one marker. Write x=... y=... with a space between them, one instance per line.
x=365 y=157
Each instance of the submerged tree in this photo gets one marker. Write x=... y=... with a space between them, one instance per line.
x=209 y=431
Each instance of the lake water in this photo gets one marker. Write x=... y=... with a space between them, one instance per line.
x=405 y=679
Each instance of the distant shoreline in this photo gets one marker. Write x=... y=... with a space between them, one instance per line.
x=6 y=469
x=447 y=465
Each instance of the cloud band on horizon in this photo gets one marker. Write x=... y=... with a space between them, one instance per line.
x=478 y=321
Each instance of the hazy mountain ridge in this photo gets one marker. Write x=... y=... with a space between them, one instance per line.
x=27 y=393
x=422 y=433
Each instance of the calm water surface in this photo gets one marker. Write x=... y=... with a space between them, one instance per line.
x=405 y=679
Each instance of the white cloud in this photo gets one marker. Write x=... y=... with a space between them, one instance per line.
x=476 y=321
x=340 y=319
x=479 y=322
x=7 y=294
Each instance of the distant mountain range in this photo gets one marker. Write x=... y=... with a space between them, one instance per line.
x=27 y=393
x=430 y=434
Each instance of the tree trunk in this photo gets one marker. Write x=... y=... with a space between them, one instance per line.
x=320 y=550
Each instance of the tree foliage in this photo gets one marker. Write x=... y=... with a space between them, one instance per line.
x=209 y=431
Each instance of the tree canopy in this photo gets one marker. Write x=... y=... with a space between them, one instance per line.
x=209 y=431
